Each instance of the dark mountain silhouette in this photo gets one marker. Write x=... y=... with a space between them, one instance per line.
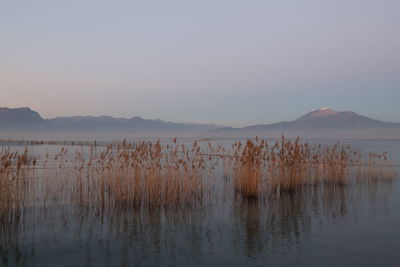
x=111 y=124
x=20 y=119
x=323 y=122
x=25 y=120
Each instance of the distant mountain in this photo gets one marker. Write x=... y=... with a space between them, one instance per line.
x=20 y=119
x=136 y=124
x=323 y=122
x=25 y=120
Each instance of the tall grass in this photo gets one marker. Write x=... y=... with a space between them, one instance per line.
x=14 y=169
x=144 y=175
x=151 y=175
x=145 y=187
x=289 y=166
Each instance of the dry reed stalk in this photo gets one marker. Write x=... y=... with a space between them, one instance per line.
x=151 y=175
x=143 y=175
x=290 y=166
x=14 y=169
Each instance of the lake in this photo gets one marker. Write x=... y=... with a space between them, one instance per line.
x=352 y=225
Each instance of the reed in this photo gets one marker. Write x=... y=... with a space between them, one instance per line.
x=290 y=166
x=143 y=175
x=248 y=169
x=143 y=187
x=151 y=175
x=14 y=168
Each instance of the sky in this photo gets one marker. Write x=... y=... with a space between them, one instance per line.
x=226 y=62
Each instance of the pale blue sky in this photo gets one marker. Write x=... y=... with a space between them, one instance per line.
x=226 y=62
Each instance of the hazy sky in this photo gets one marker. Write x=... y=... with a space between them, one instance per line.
x=227 y=62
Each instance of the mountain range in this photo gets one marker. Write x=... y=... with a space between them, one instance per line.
x=323 y=122
x=22 y=121
x=320 y=123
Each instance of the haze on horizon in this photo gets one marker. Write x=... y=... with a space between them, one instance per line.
x=225 y=62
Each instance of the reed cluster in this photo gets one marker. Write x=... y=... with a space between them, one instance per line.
x=153 y=175
x=142 y=175
x=146 y=187
x=14 y=169
x=289 y=166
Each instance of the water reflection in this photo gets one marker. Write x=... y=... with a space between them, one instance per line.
x=250 y=228
x=248 y=214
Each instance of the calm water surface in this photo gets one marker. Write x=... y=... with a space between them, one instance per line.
x=355 y=225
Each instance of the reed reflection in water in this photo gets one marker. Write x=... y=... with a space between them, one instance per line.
x=67 y=214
